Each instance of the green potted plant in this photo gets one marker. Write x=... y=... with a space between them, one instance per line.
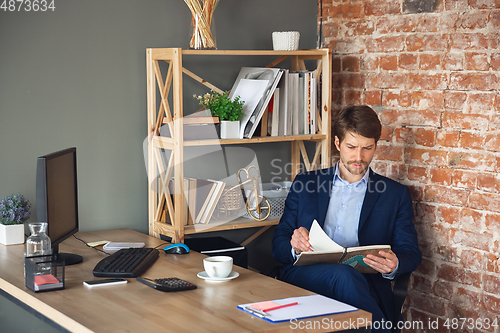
x=14 y=211
x=229 y=112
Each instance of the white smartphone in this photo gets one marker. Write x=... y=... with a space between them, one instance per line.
x=104 y=282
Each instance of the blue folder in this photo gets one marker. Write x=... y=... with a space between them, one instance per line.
x=308 y=306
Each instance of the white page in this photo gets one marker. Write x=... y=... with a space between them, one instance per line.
x=308 y=306
x=250 y=91
x=320 y=241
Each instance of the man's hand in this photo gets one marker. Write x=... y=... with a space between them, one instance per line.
x=300 y=240
x=385 y=262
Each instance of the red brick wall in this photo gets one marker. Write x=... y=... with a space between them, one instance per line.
x=434 y=78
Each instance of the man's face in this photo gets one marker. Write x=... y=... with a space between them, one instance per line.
x=356 y=153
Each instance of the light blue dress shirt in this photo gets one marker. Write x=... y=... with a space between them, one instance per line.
x=344 y=209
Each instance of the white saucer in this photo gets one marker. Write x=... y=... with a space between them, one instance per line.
x=204 y=275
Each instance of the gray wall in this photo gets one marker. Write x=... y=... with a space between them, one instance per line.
x=77 y=77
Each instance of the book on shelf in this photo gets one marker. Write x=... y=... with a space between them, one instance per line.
x=325 y=250
x=201 y=197
x=300 y=111
x=255 y=86
x=306 y=103
x=200 y=130
x=195 y=123
x=312 y=102
x=265 y=129
x=267 y=118
x=283 y=104
x=276 y=112
x=200 y=118
x=293 y=104
x=204 y=191
x=211 y=202
x=298 y=101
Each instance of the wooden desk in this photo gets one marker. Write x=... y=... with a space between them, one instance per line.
x=134 y=307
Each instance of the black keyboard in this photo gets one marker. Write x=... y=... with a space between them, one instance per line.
x=126 y=263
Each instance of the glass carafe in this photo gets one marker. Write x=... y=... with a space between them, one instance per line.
x=38 y=244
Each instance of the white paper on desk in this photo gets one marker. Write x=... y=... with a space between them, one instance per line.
x=320 y=241
x=309 y=306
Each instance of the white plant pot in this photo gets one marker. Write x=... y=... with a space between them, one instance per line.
x=11 y=234
x=229 y=129
x=286 y=40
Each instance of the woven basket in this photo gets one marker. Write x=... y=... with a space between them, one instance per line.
x=286 y=40
x=231 y=203
x=231 y=198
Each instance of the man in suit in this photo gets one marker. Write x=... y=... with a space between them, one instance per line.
x=355 y=207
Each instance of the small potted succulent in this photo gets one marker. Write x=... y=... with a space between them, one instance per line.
x=229 y=112
x=14 y=211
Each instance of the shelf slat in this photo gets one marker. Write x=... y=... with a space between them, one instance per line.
x=167 y=143
x=309 y=52
x=258 y=139
x=240 y=223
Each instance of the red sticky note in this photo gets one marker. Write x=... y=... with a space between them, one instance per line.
x=45 y=279
x=264 y=305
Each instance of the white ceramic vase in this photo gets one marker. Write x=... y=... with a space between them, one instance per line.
x=11 y=234
x=229 y=129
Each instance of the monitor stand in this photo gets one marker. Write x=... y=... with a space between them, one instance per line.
x=69 y=258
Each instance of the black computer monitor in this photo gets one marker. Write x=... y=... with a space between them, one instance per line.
x=57 y=199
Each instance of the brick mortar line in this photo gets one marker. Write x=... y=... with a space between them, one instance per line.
x=479 y=290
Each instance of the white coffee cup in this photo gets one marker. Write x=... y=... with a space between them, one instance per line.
x=218 y=266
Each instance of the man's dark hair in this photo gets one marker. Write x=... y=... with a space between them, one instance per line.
x=361 y=119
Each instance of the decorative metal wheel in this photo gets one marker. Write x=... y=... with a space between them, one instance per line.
x=259 y=209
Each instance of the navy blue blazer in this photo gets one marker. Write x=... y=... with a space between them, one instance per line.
x=386 y=218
